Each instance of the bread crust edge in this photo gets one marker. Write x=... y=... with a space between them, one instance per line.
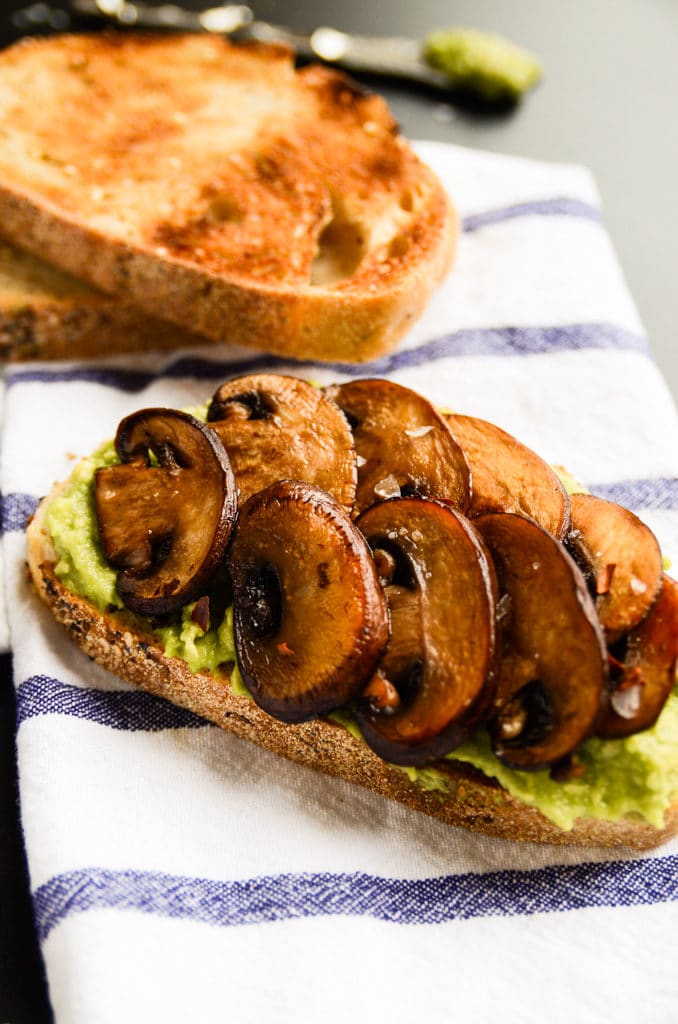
x=87 y=328
x=303 y=323
x=472 y=801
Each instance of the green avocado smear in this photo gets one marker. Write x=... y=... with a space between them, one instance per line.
x=483 y=63
x=71 y=522
x=637 y=776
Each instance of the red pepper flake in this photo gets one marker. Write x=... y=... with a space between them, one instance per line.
x=615 y=662
x=381 y=693
x=634 y=677
x=604 y=580
x=284 y=648
x=201 y=613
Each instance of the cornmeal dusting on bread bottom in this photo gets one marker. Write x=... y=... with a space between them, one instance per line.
x=636 y=776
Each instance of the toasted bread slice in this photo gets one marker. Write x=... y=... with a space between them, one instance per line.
x=47 y=314
x=472 y=801
x=214 y=186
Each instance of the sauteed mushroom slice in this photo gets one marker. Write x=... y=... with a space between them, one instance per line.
x=435 y=680
x=404 y=446
x=510 y=477
x=310 y=617
x=165 y=513
x=277 y=427
x=643 y=668
x=620 y=558
x=553 y=670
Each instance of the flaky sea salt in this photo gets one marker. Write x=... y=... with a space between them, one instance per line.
x=387 y=488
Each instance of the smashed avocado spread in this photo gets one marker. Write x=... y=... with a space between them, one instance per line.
x=71 y=521
x=637 y=776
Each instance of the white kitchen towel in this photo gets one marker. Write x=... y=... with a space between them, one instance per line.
x=180 y=874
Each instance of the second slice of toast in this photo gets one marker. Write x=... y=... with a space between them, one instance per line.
x=48 y=314
x=215 y=186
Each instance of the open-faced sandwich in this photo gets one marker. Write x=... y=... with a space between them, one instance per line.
x=408 y=599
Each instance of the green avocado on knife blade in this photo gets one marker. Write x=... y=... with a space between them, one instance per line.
x=481 y=62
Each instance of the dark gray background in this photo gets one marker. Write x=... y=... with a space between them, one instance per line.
x=608 y=100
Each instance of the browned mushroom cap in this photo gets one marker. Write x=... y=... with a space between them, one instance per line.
x=281 y=428
x=435 y=680
x=553 y=670
x=643 y=668
x=310 y=618
x=404 y=446
x=165 y=526
x=509 y=477
x=620 y=558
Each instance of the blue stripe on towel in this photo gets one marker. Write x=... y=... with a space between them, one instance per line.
x=15 y=511
x=398 y=901
x=557 y=207
x=657 y=493
x=131 y=710
x=512 y=341
x=473 y=341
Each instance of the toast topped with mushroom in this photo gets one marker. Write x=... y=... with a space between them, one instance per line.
x=441 y=622
x=213 y=185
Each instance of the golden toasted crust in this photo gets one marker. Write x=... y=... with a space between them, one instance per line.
x=47 y=314
x=215 y=186
x=472 y=801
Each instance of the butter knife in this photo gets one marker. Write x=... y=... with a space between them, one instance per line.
x=464 y=61
x=391 y=56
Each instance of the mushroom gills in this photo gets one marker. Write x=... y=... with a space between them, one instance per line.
x=435 y=679
x=553 y=672
x=643 y=668
x=247 y=405
x=261 y=601
x=402 y=664
x=310 y=618
x=528 y=717
x=165 y=513
x=137 y=528
x=620 y=558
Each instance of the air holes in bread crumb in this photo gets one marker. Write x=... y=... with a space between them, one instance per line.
x=410 y=199
x=398 y=247
x=222 y=208
x=341 y=246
